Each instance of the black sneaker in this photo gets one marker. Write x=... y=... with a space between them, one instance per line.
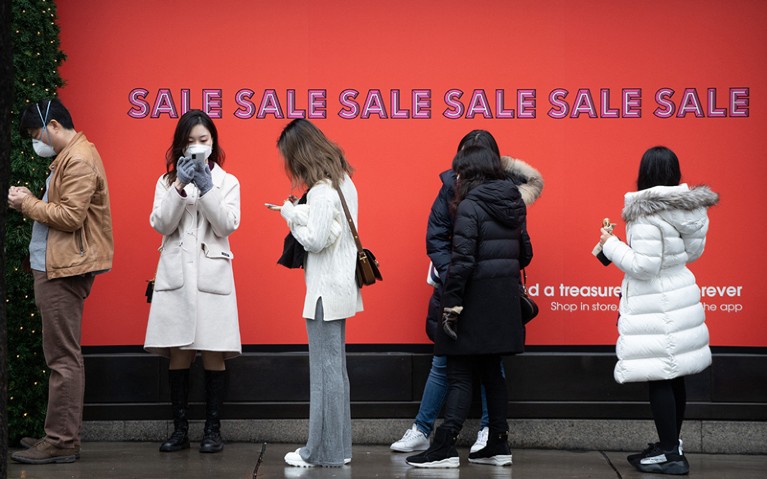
x=441 y=453
x=495 y=453
x=663 y=462
x=435 y=459
x=633 y=459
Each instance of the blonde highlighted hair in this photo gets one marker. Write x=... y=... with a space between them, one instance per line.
x=310 y=156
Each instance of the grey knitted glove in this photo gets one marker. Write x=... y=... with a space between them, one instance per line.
x=202 y=179
x=185 y=170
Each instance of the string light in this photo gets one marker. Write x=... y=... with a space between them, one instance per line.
x=37 y=57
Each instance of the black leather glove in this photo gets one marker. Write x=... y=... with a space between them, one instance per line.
x=450 y=321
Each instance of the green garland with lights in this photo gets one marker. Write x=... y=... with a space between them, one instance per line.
x=36 y=58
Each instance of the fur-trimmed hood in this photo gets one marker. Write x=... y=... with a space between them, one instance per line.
x=533 y=187
x=673 y=203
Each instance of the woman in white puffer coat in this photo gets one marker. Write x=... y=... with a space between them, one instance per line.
x=663 y=337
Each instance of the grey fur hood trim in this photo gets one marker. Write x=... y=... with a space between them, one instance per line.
x=664 y=198
x=533 y=188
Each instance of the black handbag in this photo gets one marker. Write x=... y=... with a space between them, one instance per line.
x=368 y=271
x=293 y=252
x=527 y=305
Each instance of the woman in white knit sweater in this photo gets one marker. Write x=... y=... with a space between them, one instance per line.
x=663 y=337
x=314 y=162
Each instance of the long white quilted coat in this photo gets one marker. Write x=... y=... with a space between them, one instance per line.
x=661 y=325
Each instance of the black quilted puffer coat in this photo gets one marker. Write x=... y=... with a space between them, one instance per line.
x=439 y=233
x=490 y=246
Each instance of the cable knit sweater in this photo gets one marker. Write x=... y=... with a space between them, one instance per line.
x=331 y=257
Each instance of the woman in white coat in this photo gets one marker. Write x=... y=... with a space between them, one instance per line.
x=194 y=306
x=663 y=337
x=314 y=162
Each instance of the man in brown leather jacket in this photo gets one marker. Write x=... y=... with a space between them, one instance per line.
x=71 y=243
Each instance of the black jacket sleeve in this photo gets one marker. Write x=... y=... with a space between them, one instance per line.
x=464 y=255
x=439 y=232
x=525 y=247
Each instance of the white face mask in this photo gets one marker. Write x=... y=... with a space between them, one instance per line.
x=43 y=149
x=198 y=150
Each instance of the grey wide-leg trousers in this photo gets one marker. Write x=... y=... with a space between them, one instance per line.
x=330 y=423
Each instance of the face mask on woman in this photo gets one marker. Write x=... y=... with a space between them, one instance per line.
x=198 y=150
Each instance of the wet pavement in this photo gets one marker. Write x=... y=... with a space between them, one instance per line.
x=142 y=460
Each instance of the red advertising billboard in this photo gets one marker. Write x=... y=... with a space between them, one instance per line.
x=579 y=90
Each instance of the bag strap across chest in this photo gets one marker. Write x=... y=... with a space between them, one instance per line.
x=350 y=221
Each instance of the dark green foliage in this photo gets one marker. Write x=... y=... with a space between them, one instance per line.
x=36 y=57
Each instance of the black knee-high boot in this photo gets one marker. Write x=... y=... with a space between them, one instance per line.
x=179 y=393
x=215 y=389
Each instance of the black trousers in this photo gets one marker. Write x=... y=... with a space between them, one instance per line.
x=668 y=400
x=462 y=371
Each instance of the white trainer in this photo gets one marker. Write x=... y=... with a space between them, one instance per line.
x=295 y=459
x=481 y=440
x=413 y=440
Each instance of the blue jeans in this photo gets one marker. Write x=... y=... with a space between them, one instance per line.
x=435 y=393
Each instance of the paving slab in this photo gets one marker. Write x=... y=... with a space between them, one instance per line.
x=142 y=460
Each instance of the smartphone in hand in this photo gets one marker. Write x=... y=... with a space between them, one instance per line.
x=198 y=158
x=597 y=251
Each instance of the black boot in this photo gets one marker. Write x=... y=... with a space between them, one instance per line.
x=179 y=392
x=441 y=454
x=496 y=452
x=215 y=387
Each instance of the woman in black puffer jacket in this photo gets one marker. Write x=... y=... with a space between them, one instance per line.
x=439 y=245
x=482 y=319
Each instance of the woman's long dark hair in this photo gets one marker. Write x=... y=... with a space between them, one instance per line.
x=474 y=165
x=184 y=127
x=659 y=167
x=478 y=138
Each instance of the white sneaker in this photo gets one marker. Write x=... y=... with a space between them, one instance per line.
x=295 y=459
x=481 y=440
x=413 y=440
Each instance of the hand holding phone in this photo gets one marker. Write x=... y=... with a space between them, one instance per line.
x=597 y=251
x=607 y=225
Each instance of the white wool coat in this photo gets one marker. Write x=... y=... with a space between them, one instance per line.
x=661 y=324
x=331 y=258
x=194 y=305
